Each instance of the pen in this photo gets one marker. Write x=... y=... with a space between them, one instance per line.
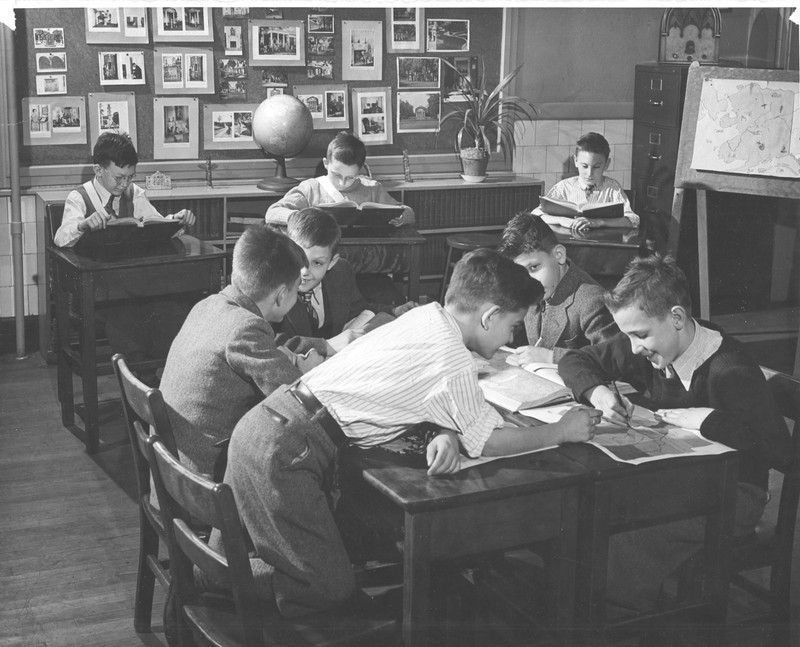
x=620 y=402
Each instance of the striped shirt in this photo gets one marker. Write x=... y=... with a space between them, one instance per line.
x=415 y=369
x=609 y=190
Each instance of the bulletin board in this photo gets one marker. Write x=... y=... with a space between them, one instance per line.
x=82 y=78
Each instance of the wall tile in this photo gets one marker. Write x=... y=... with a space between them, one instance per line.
x=28 y=208
x=5 y=205
x=29 y=268
x=525 y=133
x=621 y=157
x=568 y=132
x=593 y=126
x=557 y=159
x=32 y=296
x=546 y=132
x=6 y=271
x=535 y=159
x=5 y=240
x=29 y=237
x=616 y=131
x=516 y=163
x=6 y=302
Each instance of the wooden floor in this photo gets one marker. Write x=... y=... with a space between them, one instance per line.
x=69 y=527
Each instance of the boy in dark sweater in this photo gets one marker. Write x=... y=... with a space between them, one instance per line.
x=695 y=377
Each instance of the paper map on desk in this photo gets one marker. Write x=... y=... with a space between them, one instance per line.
x=646 y=439
x=749 y=127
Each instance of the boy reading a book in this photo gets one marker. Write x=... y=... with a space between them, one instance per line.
x=328 y=295
x=415 y=369
x=696 y=377
x=572 y=313
x=345 y=156
x=590 y=186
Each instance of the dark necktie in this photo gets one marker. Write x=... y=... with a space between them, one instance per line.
x=110 y=207
x=313 y=317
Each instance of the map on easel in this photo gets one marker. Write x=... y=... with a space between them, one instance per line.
x=748 y=126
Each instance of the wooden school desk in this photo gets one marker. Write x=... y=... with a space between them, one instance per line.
x=184 y=265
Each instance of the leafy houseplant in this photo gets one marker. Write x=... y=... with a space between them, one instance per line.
x=484 y=117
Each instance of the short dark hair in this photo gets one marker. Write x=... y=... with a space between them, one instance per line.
x=593 y=143
x=655 y=284
x=526 y=233
x=314 y=227
x=264 y=259
x=114 y=147
x=485 y=275
x=347 y=149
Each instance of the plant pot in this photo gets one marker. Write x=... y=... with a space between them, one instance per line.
x=474 y=162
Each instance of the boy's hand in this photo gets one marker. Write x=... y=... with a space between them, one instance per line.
x=527 y=354
x=94 y=222
x=185 y=216
x=577 y=425
x=443 y=454
x=580 y=223
x=308 y=361
x=605 y=399
x=405 y=218
x=404 y=307
x=343 y=339
x=691 y=418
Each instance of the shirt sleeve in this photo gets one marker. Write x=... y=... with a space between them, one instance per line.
x=142 y=207
x=618 y=195
x=298 y=197
x=74 y=213
x=382 y=196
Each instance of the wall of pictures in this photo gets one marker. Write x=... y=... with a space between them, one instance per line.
x=185 y=81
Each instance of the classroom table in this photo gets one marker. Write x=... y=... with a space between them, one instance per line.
x=183 y=264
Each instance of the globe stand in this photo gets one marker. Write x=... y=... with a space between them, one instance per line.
x=280 y=182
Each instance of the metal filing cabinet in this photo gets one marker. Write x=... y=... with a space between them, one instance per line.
x=657 y=110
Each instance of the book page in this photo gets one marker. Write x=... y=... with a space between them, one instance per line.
x=514 y=388
x=562 y=208
x=346 y=204
x=603 y=210
x=360 y=320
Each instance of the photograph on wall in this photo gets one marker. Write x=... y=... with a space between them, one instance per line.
x=112 y=113
x=320 y=45
x=232 y=68
x=232 y=125
x=320 y=23
x=51 y=62
x=233 y=90
x=39 y=120
x=51 y=84
x=311 y=99
x=66 y=119
x=183 y=70
x=235 y=12
x=121 y=68
x=178 y=23
x=171 y=70
x=447 y=35
x=60 y=120
x=49 y=37
x=112 y=25
x=233 y=40
x=273 y=92
x=327 y=103
x=104 y=19
x=418 y=72
x=278 y=42
x=273 y=14
x=452 y=82
x=320 y=68
x=274 y=77
x=337 y=112
x=418 y=112
x=404 y=30
x=175 y=128
x=372 y=110
x=362 y=50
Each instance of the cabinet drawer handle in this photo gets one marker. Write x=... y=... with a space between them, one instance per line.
x=657 y=104
x=654 y=157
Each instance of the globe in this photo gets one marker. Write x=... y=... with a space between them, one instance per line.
x=282 y=127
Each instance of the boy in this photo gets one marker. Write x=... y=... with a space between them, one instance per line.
x=345 y=156
x=572 y=313
x=328 y=294
x=225 y=358
x=697 y=378
x=418 y=368
x=592 y=157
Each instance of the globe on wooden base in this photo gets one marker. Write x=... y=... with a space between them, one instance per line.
x=282 y=127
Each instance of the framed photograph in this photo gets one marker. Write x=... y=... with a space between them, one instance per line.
x=51 y=84
x=183 y=70
x=312 y=98
x=60 y=120
x=362 y=50
x=121 y=68
x=227 y=126
x=235 y=12
x=319 y=45
x=452 y=82
x=320 y=68
x=233 y=90
x=404 y=30
x=372 y=112
x=418 y=72
x=274 y=77
x=233 y=40
x=447 y=35
x=319 y=23
x=418 y=112
x=175 y=128
x=48 y=37
x=231 y=68
x=277 y=42
x=51 y=62
x=178 y=23
x=110 y=25
x=112 y=113
x=328 y=104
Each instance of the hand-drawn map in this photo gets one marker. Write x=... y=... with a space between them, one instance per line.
x=748 y=127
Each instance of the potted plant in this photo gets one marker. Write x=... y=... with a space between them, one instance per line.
x=485 y=118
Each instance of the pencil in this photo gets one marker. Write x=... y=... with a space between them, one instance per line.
x=620 y=402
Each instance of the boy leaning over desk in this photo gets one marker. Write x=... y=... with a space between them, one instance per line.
x=418 y=368
x=696 y=377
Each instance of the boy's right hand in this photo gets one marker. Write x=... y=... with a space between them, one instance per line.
x=577 y=425
x=341 y=340
x=92 y=223
x=308 y=361
x=605 y=399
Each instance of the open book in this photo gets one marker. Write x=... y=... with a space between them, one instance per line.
x=553 y=207
x=128 y=233
x=367 y=320
x=350 y=214
x=513 y=388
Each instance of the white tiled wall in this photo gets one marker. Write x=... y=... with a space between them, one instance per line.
x=30 y=270
x=545 y=148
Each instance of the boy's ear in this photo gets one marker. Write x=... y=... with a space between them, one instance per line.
x=278 y=296
x=334 y=260
x=560 y=254
x=488 y=315
x=97 y=168
x=325 y=162
x=679 y=317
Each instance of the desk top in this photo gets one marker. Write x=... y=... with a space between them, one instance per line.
x=611 y=237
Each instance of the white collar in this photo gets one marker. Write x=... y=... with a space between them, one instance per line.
x=706 y=342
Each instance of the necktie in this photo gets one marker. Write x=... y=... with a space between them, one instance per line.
x=313 y=317
x=110 y=207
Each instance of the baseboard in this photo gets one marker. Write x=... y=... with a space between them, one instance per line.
x=8 y=335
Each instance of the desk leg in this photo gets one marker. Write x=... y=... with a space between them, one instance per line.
x=417 y=580
x=88 y=366
x=414 y=260
x=65 y=392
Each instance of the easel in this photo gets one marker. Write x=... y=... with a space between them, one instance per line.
x=702 y=181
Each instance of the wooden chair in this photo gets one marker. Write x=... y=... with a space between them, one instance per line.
x=144 y=408
x=239 y=619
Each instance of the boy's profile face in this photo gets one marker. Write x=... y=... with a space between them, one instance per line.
x=497 y=330
x=342 y=175
x=591 y=167
x=657 y=339
x=546 y=267
x=320 y=260
x=278 y=312
x=114 y=179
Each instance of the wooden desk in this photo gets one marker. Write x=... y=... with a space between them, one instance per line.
x=185 y=265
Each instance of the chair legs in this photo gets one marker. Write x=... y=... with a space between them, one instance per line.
x=145 y=578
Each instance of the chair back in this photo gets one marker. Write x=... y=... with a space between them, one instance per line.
x=185 y=495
